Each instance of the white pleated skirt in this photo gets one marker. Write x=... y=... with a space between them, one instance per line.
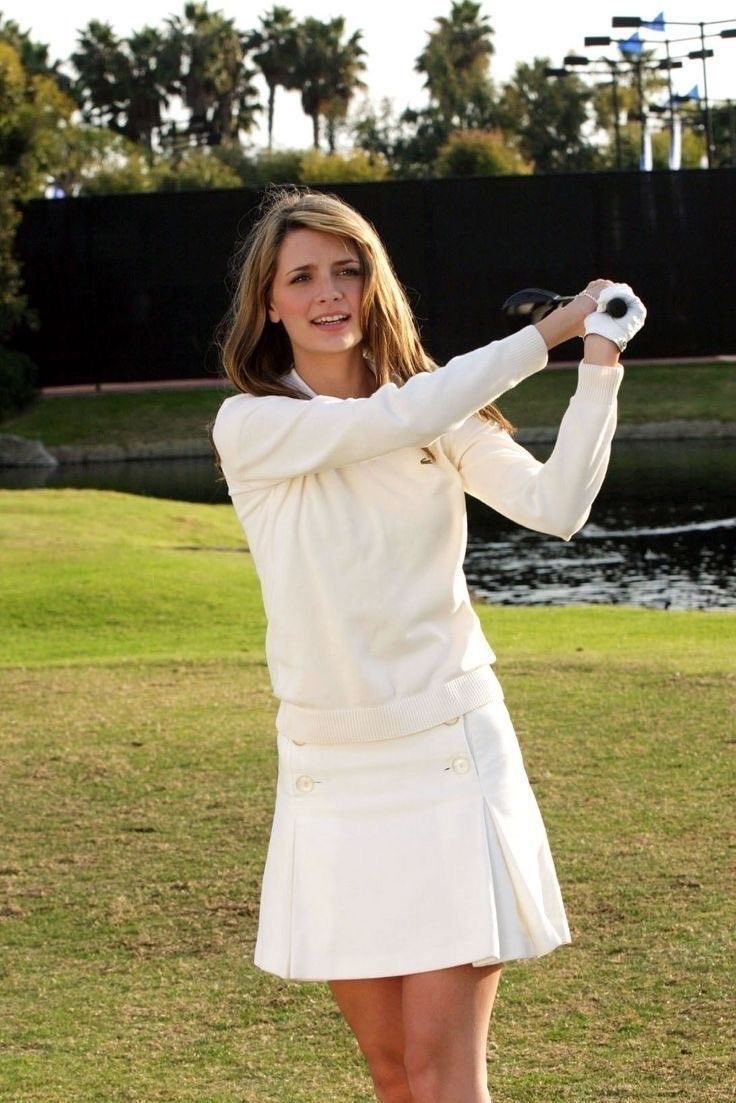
x=407 y=854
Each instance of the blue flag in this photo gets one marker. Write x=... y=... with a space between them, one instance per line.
x=657 y=24
x=631 y=45
x=693 y=94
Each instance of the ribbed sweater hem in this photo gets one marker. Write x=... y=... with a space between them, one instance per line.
x=435 y=705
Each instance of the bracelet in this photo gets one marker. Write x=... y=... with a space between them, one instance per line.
x=589 y=296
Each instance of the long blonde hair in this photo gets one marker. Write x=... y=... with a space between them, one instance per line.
x=256 y=353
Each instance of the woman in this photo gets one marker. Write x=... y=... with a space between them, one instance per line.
x=408 y=859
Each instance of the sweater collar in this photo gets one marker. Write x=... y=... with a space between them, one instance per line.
x=297 y=380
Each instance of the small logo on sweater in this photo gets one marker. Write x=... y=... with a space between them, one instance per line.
x=426 y=460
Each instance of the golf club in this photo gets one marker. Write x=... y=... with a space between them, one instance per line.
x=534 y=303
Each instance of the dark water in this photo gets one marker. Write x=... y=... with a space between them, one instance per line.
x=662 y=532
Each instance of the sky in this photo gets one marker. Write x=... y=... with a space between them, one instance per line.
x=394 y=33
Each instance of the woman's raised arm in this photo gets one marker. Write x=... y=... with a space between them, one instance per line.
x=273 y=437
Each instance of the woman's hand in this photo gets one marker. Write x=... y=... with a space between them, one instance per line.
x=604 y=335
x=569 y=321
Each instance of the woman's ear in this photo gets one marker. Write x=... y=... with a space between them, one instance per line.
x=273 y=315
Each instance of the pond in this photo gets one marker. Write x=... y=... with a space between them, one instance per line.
x=662 y=532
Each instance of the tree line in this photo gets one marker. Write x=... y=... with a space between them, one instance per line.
x=175 y=107
x=124 y=94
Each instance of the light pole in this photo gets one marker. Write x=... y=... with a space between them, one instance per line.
x=578 y=59
x=702 y=54
x=668 y=64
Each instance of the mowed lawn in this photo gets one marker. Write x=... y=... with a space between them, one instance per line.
x=653 y=392
x=138 y=765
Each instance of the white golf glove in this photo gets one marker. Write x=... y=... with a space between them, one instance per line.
x=618 y=330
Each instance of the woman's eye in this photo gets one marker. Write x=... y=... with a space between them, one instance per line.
x=352 y=272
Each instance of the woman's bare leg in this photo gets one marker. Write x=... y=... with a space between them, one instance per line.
x=446 y=1015
x=372 y=1009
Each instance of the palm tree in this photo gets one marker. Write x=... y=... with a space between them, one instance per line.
x=124 y=83
x=215 y=82
x=98 y=61
x=276 y=54
x=455 y=62
x=152 y=66
x=327 y=72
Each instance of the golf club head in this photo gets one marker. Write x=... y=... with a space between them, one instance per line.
x=531 y=304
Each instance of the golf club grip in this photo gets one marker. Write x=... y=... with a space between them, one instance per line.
x=616 y=307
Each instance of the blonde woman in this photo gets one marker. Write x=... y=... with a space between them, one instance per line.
x=408 y=859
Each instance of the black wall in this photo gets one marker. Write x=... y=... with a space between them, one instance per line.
x=130 y=287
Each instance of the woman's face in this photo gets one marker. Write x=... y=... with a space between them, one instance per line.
x=316 y=293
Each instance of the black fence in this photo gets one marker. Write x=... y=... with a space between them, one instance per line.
x=131 y=287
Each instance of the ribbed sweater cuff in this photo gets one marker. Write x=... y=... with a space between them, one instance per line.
x=529 y=349
x=597 y=383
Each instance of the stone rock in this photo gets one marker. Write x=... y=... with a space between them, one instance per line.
x=20 y=452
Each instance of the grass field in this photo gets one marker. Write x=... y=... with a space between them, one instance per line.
x=649 y=393
x=138 y=770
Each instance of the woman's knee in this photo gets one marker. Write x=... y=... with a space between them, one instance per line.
x=436 y=1073
x=387 y=1070
x=425 y=1066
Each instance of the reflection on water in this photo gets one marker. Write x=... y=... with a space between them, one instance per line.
x=678 y=567
x=662 y=532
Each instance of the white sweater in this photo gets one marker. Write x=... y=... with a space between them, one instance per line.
x=359 y=545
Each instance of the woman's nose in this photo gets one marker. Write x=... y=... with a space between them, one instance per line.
x=329 y=291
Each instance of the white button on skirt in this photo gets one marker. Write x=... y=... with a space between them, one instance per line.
x=406 y=854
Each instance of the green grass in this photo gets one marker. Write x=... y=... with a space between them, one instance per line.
x=649 y=393
x=138 y=770
x=118 y=418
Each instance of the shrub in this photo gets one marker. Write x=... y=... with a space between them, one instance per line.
x=281 y=166
x=479 y=153
x=334 y=168
x=196 y=169
x=131 y=173
x=18 y=376
x=255 y=171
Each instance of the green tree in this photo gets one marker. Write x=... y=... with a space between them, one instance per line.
x=34 y=56
x=637 y=79
x=692 y=149
x=545 y=118
x=479 y=153
x=32 y=109
x=456 y=65
x=276 y=52
x=215 y=81
x=723 y=127
x=328 y=73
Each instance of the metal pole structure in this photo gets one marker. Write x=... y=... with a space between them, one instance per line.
x=640 y=88
x=669 y=91
x=708 y=135
x=616 y=119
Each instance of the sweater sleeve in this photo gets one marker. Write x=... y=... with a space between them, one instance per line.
x=553 y=497
x=275 y=437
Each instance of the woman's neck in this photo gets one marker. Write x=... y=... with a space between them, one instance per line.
x=337 y=378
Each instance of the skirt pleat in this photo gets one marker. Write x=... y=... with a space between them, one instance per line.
x=407 y=854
